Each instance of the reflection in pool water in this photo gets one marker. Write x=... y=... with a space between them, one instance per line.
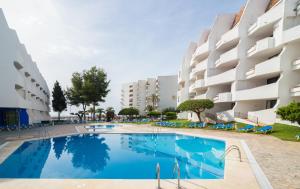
x=116 y=156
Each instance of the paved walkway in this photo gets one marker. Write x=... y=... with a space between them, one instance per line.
x=280 y=160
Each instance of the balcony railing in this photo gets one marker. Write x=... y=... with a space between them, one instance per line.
x=261 y=46
x=200 y=67
x=266 y=68
x=192 y=89
x=228 y=58
x=225 y=77
x=201 y=96
x=199 y=84
x=229 y=38
x=295 y=91
x=223 y=97
x=267 y=19
x=296 y=64
x=201 y=51
x=192 y=76
x=269 y=91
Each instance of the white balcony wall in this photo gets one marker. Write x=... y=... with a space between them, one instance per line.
x=225 y=77
x=223 y=97
x=201 y=51
x=200 y=67
x=296 y=64
x=267 y=20
x=199 y=84
x=229 y=38
x=201 y=96
x=228 y=58
x=266 y=68
x=261 y=47
x=263 y=92
x=295 y=91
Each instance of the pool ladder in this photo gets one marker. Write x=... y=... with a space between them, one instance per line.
x=229 y=149
x=175 y=170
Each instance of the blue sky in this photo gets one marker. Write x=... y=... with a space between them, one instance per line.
x=130 y=39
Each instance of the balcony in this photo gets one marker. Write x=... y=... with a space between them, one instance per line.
x=229 y=58
x=296 y=64
x=201 y=52
x=229 y=39
x=200 y=67
x=225 y=77
x=201 y=96
x=199 y=84
x=292 y=34
x=264 y=92
x=192 y=76
x=262 y=47
x=265 y=69
x=223 y=97
x=192 y=89
x=296 y=91
x=264 y=23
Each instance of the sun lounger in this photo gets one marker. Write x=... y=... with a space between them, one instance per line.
x=247 y=128
x=264 y=129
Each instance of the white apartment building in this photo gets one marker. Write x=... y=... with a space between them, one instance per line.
x=139 y=94
x=248 y=63
x=24 y=93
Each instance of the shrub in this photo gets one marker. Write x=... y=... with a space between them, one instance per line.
x=170 y=109
x=154 y=114
x=171 y=115
x=290 y=112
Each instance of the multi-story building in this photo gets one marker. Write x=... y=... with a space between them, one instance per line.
x=24 y=96
x=160 y=93
x=248 y=63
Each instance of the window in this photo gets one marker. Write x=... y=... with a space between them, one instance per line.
x=272 y=80
x=17 y=65
x=270 y=104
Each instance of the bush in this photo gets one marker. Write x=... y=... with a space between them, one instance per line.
x=170 y=109
x=171 y=115
x=290 y=112
x=154 y=114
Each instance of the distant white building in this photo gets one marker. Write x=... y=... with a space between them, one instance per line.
x=139 y=94
x=248 y=63
x=24 y=93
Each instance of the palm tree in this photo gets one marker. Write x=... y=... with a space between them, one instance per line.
x=110 y=114
x=149 y=108
x=154 y=99
x=99 y=111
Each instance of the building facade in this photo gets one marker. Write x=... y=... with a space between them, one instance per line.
x=160 y=93
x=24 y=96
x=248 y=63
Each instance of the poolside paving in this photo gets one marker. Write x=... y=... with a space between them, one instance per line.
x=278 y=159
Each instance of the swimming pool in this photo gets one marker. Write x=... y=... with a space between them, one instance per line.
x=116 y=156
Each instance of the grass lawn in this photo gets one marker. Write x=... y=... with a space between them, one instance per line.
x=281 y=131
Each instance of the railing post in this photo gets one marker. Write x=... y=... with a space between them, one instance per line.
x=176 y=168
x=158 y=175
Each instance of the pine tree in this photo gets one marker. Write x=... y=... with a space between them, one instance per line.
x=59 y=101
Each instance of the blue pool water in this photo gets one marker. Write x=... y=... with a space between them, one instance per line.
x=116 y=156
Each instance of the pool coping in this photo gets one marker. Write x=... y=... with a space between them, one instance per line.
x=213 y=183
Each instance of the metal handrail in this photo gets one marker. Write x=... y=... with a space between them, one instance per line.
x=229 y=149
x=158 y=175
x=176 y=168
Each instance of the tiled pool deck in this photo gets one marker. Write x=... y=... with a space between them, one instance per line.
x=278 y=159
